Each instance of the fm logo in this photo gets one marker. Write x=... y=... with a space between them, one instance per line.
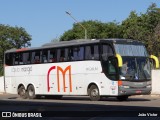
x=59 y=69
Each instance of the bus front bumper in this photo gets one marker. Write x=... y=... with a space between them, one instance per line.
x=136 y=91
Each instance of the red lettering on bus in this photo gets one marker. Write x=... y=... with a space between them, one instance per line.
x=53 y=67
x=59 y=69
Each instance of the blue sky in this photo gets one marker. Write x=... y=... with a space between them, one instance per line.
x=45 y=20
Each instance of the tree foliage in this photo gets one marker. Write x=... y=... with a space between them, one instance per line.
x=12 y=37
x=95 y=30
x=143 y=27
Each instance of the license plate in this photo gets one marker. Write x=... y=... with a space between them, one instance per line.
x=138 y=91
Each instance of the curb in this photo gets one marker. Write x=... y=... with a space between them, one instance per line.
x=155 y=95
x=151 y=95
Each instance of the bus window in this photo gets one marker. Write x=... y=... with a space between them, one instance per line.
x=66 y=54
x=72 y=54
x=77 y=53
x=81 y=53
x=106 y=52
x=63 y=55
x=52 y=56
x=28 y=57
x=96 y=52
x=24 y=58
x=112 y=70
x=36 y=57
x=20 y=58
x=60 y=55
x=16 y=59
x=45 y=56
x=8 y=59
x=88 y=55
x=92 y=52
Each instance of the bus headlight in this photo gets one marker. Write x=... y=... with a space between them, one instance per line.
x=126 y=86
x=148 y=86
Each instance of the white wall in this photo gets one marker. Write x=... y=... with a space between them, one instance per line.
x=2 y=84
x=155 y=82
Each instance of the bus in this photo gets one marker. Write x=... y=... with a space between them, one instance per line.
x=95 y=68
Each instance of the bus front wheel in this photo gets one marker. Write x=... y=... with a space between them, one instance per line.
x=31 y=92
x=94 y=93
x=22 y=92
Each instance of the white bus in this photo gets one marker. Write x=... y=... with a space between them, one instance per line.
x=80 y=67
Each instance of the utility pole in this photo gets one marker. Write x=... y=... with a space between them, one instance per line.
x=85 y=30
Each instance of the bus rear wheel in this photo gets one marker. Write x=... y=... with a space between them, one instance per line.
x=22 y=92
x=31 y=92
x=122 y=98
x=94 y=93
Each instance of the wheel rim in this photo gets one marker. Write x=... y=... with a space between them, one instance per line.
x=22 y=92
x=94 y=93
x=31 y=92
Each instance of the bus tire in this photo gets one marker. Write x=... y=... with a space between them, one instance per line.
x=31 y=92
x=22 y=92
x=122 y=98
x=94 y=93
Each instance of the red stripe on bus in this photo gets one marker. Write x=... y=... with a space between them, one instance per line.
x=22 y=49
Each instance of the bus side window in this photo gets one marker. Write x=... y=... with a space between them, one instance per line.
x=60 y=55
x=45 y=56
x=88 y=55
x=106 y=52
x=27 y=58
x=52 y=56
x=66 y=54
x=92 y=52
x=8 y=59
x=111 y=69
x=36 y=57
x=24 y=58
x=20 y=58
x=63 y=54
x=77 y=53
x=16 y=59
x=81 y=53
x=96 y=52
x=71 y=54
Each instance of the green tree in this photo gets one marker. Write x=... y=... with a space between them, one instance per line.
x=142 y=27
x=95 y=30
x=12 y=37
x=132 y=27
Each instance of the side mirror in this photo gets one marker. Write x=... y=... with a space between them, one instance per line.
x=156 y=61
x=120 y=61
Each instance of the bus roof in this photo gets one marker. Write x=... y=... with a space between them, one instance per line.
x=78 y=42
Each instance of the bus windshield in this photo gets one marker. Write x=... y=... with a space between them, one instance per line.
x=131 y=50
x=135 y=68
x=136 y=64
